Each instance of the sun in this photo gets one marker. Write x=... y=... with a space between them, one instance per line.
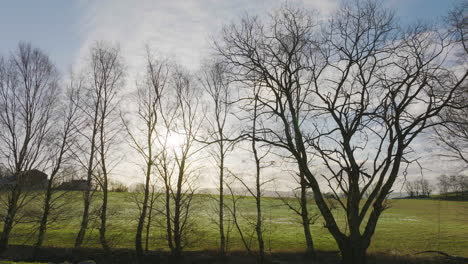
x=175 y=141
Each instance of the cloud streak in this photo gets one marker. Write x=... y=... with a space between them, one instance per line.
x=179 y=29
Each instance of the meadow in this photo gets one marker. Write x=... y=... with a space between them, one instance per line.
x=407 y=227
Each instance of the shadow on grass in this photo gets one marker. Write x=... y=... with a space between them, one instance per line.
x=127 y=256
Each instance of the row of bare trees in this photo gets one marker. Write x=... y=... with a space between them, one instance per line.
x=418 y=188
x=457 y=185
x=340 y=100
x=48 y=126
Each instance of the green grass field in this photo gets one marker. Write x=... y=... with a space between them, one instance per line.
x=409 y=226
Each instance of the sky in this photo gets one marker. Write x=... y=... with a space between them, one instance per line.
x=179 y=29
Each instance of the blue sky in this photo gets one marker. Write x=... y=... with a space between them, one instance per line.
x=51 y=25
x=64 y=29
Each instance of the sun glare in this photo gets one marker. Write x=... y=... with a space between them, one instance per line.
x=175 y=141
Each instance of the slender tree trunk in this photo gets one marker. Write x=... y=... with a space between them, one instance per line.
x=177 y=210
x=89 y=178
x=258 y=195
x=305 y=218
x=105 y=173
x=49 y=191
x=168 y=216
x=8 y=222
x=102 y=229
x=141 y=220
x=222 y=237
x=45 y=216
x=258 y=198
x=308 y=237
x=86 y=203
x=177 y=250
x=84 y=219
x=214 y=80
x=148 y=224
x=241 y=234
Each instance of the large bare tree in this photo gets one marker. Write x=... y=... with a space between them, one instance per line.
x=28 y=101
x=353 y=95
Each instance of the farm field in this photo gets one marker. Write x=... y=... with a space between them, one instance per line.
x=409 y=226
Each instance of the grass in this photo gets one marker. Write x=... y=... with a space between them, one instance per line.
x=13 y=262
x=409 y=226
x=452 y=196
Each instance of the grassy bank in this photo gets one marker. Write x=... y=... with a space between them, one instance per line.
x=409 y=226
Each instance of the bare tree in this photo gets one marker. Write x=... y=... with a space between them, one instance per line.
x=148 y=100
x=111 y=76
x=346 y=95
x=154 y=194
x=458 y=185
x=104 y=78
x=444 y=185
x=258 y=182
x=412 y=189
x=456 y=20
x=233 y=206
x=215 y=83
x=62 y=139
x=418 y=188
x=28 y=93
x=177 y=150
x=425 y=187
x=307 y=218
x=257 y=190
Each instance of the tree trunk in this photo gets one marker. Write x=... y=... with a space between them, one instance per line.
x=148 y=224
x=353 y=252
x=45 y=216
x=258 y=229
x=308 y=238
x=258 y=194
x=8 y=223
x=168 y=216
x=102 y=229
x=305 y=218
x=177 y=250
x=84 y=219
x=141 y=220
x=221 y=204
x=105 y=175
x=89 y=178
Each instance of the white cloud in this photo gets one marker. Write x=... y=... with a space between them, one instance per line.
x=180 y=29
